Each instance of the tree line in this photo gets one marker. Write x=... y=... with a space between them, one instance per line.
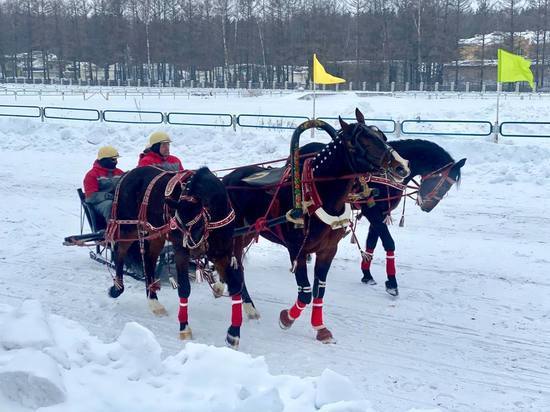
x=256 y=40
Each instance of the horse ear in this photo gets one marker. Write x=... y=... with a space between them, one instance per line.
x=171 y=202
x=359 y=116
x=460 y=163
x=343 y=124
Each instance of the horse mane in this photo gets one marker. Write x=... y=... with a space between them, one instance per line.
x=208 y=187
x=425 y=150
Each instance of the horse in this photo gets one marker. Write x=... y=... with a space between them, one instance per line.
x=329 y=174
x=438 y=173
x=192 y=210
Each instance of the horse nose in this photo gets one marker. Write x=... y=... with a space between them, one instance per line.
x=401 y=171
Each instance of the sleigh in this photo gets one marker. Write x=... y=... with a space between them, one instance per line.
x=101 y=251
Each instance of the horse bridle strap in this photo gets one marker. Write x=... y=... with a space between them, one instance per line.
x=444 y=177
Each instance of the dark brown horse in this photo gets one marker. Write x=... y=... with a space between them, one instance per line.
x=327 y=178
x=192 y=210
x=438 y=172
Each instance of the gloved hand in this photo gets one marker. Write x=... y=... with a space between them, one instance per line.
x=109 y=196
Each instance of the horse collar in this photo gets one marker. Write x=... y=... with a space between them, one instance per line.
x=313 y=205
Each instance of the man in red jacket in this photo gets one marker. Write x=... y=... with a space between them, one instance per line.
x=157 y=153
x=100 y=182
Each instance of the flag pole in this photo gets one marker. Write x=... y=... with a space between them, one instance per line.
x=314 y=95
x=496 y=126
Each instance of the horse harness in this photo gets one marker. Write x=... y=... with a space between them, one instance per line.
x=442 y=174
x=146 y=231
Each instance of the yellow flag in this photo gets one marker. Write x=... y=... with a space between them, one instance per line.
x=320 y=76
x=513 y=68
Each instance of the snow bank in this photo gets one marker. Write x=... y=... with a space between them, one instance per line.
x=53 y=363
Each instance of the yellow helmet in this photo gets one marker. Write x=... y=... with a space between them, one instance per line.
x=106 y=152
x=158 y=137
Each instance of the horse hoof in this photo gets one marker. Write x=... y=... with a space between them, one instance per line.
x=368 y=280
x=251 y=311
x=285 y=322
x=157 y=308
x=217 y=289
x=232 y=341
x=391 y=287
x=115 y=292
x=186 y=333
x=325 y=336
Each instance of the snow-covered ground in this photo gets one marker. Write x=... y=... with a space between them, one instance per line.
x=469 y=331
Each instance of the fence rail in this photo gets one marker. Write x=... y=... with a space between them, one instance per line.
x=467 y=87
x=438 y=127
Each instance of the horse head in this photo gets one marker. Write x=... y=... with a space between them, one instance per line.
x=204 y=210
x=435 y=185
x=368 y=151
x=191 y=216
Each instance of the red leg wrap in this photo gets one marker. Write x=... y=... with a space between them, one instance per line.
x=365 y=263
x=236 y=311
x=182 y=314
x=390 y=263
x=317 y=314
x=296 y=310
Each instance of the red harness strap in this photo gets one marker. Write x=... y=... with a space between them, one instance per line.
x=312 y=200
x=112 y=233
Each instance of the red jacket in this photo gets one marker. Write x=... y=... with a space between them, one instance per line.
x=100 y=179
x=154 y=159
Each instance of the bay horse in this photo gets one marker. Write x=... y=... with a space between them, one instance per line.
x=329 y=174
x=438 y=173
x=192 y=210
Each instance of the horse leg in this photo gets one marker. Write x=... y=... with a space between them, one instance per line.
x=233 y=277
x=151 y=285
x=181 y=256
x=288 y=316
x=121 y=248
x=372 y=239
x=389 y=247
x=322 y=265
x=248 y=304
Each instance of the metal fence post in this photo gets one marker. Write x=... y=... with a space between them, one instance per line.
x=377 y=86
x=467 y=87
x=452 y=86
x=398 y=128
x=392 y=87
x=249 y=84
x=364 y=86
x=495 y=132
x=350 y=86
x=337 y=87
x=421 y=87
x=517 y=87
x=286 y=84
x=234 y=122
x=407 y=85
x=436 y=86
